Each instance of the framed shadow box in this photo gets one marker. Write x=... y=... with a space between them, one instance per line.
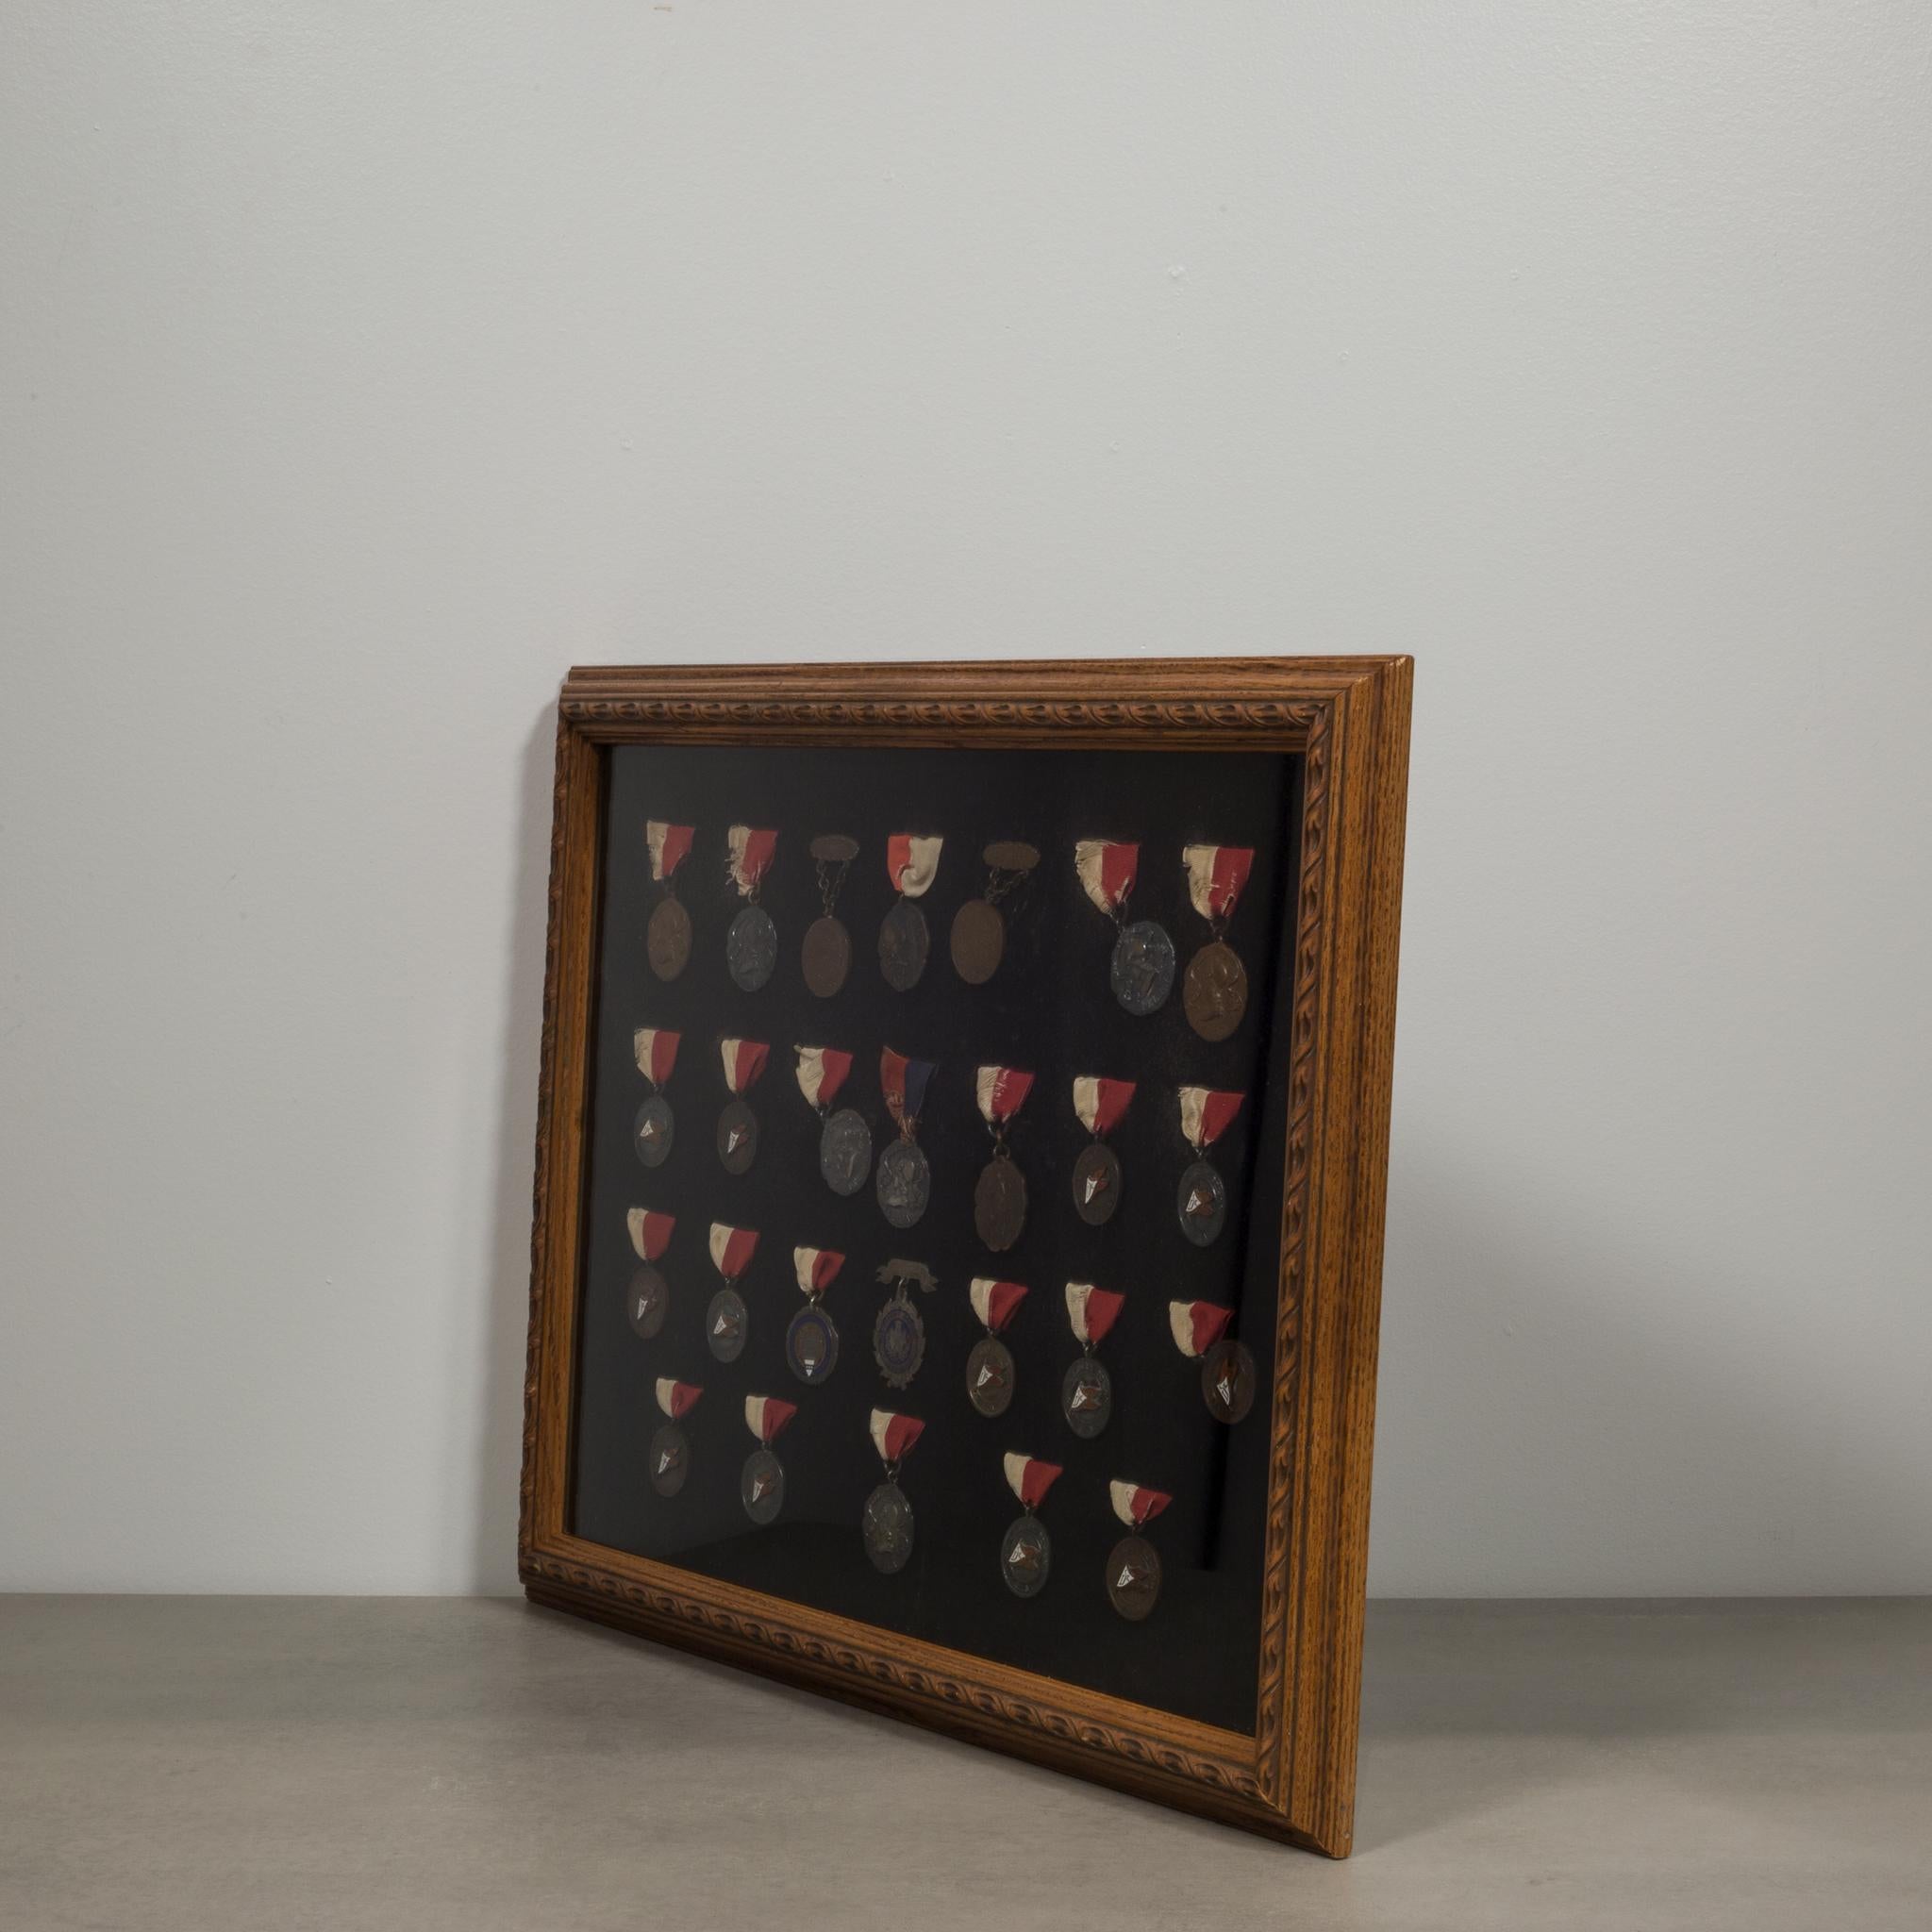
x=961 y=1167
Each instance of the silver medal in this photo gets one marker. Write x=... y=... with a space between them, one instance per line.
x=648 y=1301
x=905 y=1183
x=761 y=1488
x=726 y=1324
x=650 y=1134
x=670 y=1459
x=738 y=1136
x=1201 y=1202
x=751 y=947
x=904 y=942
x=1143 y=969
x=1096 y=1184
x=845 y=1152
x=1087 y=1396
x=887 y=1529
x=1025 y=1555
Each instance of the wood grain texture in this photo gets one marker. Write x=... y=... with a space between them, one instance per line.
x=1348 y=717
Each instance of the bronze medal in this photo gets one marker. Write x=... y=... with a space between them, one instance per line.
x=990 y=1377
x=827 y=958
x=1026 y=1556
x=761 y=1487
x=1096 y=1184
x=1201 y=1202
x=726 y=1324
x=667 y=939
x=738 y=1136
x=1215 y=994
x=1086 y=1397
x=670 y=1459
x=1227 y=1381
x=647 y=1301
x=1133 y=1577
x=651 y=1132
x=903 y=946
x=999 y=1204
x=979 y=938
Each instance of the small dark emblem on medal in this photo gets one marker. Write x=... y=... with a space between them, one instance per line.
x=667 y=939
x=1216 y=992
x=651 y=1132
x=904 y=1184
x=826 y=957
x=1025 y=1555
x=725 y=1324
x=898 y=1341
x=845 y=1152
x=1227 y=1381
x=903 y=945
x=648 y=1301
x=670 y=1459
x=1201 y=1201
x=1133 y=1577
x=999 y=1204
x=811 y=1344
x=1142 y=971
x=887 y=1526
x=1087 y=1396
x=738 y=1136
x=751 y=947
x=990 y=1377
x=1096 y=1184
x=761 y=1488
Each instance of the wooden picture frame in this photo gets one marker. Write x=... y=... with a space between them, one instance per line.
x=1347 y=721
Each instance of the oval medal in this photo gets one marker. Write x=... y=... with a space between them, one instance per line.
x=726 y=1324
x=670 y=1459
x=903 y=943
x=811 y=1344
x=898 y=1341
x=648 y=1301
x=1202 y=1202
x=1133 y=1577
x=904 y=1184
x=1143 y=971
x=1227 y=1381
x=1096 y=1184
x=650 y=1133
x=761 y=1488
x=751 y=947
x=887 y=1529
x=1216 y=992
x=826 y=955
x=999 y=1204
x=667 y=939
x=990 y=1377
x=1025 y=1555
x=979 y=938
x=1087 y=1396
x=738 y=1136
x=845 y=1152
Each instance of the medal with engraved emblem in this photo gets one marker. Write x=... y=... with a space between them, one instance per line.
x=727 y=1322
x=887 y=1524
x=1133 y=1568
x=979 y=927
x=999 y=1198
x=751 y=946
x=650 y=1134
x=1087 y=1389
x=904 y=1184
x=1100 y=1105
x=1216 y=991
x=1227 y=1370
x=898 y=1334
x=1201 y=1200
x=1142 y=974
x=911 y=864
x=761 y=1487
x=845 y=1139
x=1026 y=1549
x=648 y=1299
x=811 y=1343
x=738 y=1126
x=670 y=1454
x=667 y=938
x=990 y=1367
x=827 y=955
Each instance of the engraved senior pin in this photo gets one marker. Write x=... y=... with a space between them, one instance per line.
x=811 y=1343
x=845 y=1139
x=979 y=927
x=728 y=1324
x=1087 y=1391
x=826 y=955
x=648 y=1300
x=905 y=1181
x=1143 y=969
x=751 y=946
x=1133 y=1568
x=887 y=1524
x=761 y=1488
x=1026 y=1549
x=1216 y=991
x=999 y=1198
x=1202 y=1198
x=990 y=1367
x=650 y=1134
x=670 y=1452
x=898 y=1334
x=1227 y=1370
x=1100 y=1105
x=911 y=864
x=667 y=938
x=738 y=1126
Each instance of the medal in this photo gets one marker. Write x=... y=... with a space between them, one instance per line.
x=827 y=958
x=751 y=946
x=811 y=1343
x=1227 y=1370
x=999 y=1199
x=650 y=1136
x=888 y=1521
x=1026 y=1549
x=727 y=1321
x=1143 y=969
x=738 y=1126
x=1086 y=1392
x=910 y=864
x=649 y=1298
x=1100 y=1105
x=1133 y=1569
x=667 y=939
x=905 y=1181
x=990 y=1367
x=670 y=1452
x=761 y=1488
x=1216 y=992
x=845 y=1139
x=1202 y=1200
x=898 y=1335
x=979 y=927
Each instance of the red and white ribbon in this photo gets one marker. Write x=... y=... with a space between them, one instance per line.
x=1135 y=1507
x=912 y=864
x=732 y=1249
x=816 y=1269
x=744 y=1060
x=765 y=1416
x=1101 y=1103
x=994 y=1302
x=894 y=1436
x=657 y=1051
x=1205 y=1115
x=1092 y=1311
x=748 y=857
x=670 y=847
x=1029 y=1478
x=822 y=1072
x=1198 y=1326
x=1216 y=875
x=1001 y=1091
x=1107 y=868
x=677 y=1399
x=650 y=1234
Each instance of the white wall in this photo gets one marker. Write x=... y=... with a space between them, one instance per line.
x=362 y=366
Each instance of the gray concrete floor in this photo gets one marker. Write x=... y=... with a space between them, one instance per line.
x=216 y=1762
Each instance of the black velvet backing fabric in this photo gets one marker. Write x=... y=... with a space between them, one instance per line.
x=1049 y=1009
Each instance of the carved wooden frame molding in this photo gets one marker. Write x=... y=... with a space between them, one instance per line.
x=1294 y=1777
